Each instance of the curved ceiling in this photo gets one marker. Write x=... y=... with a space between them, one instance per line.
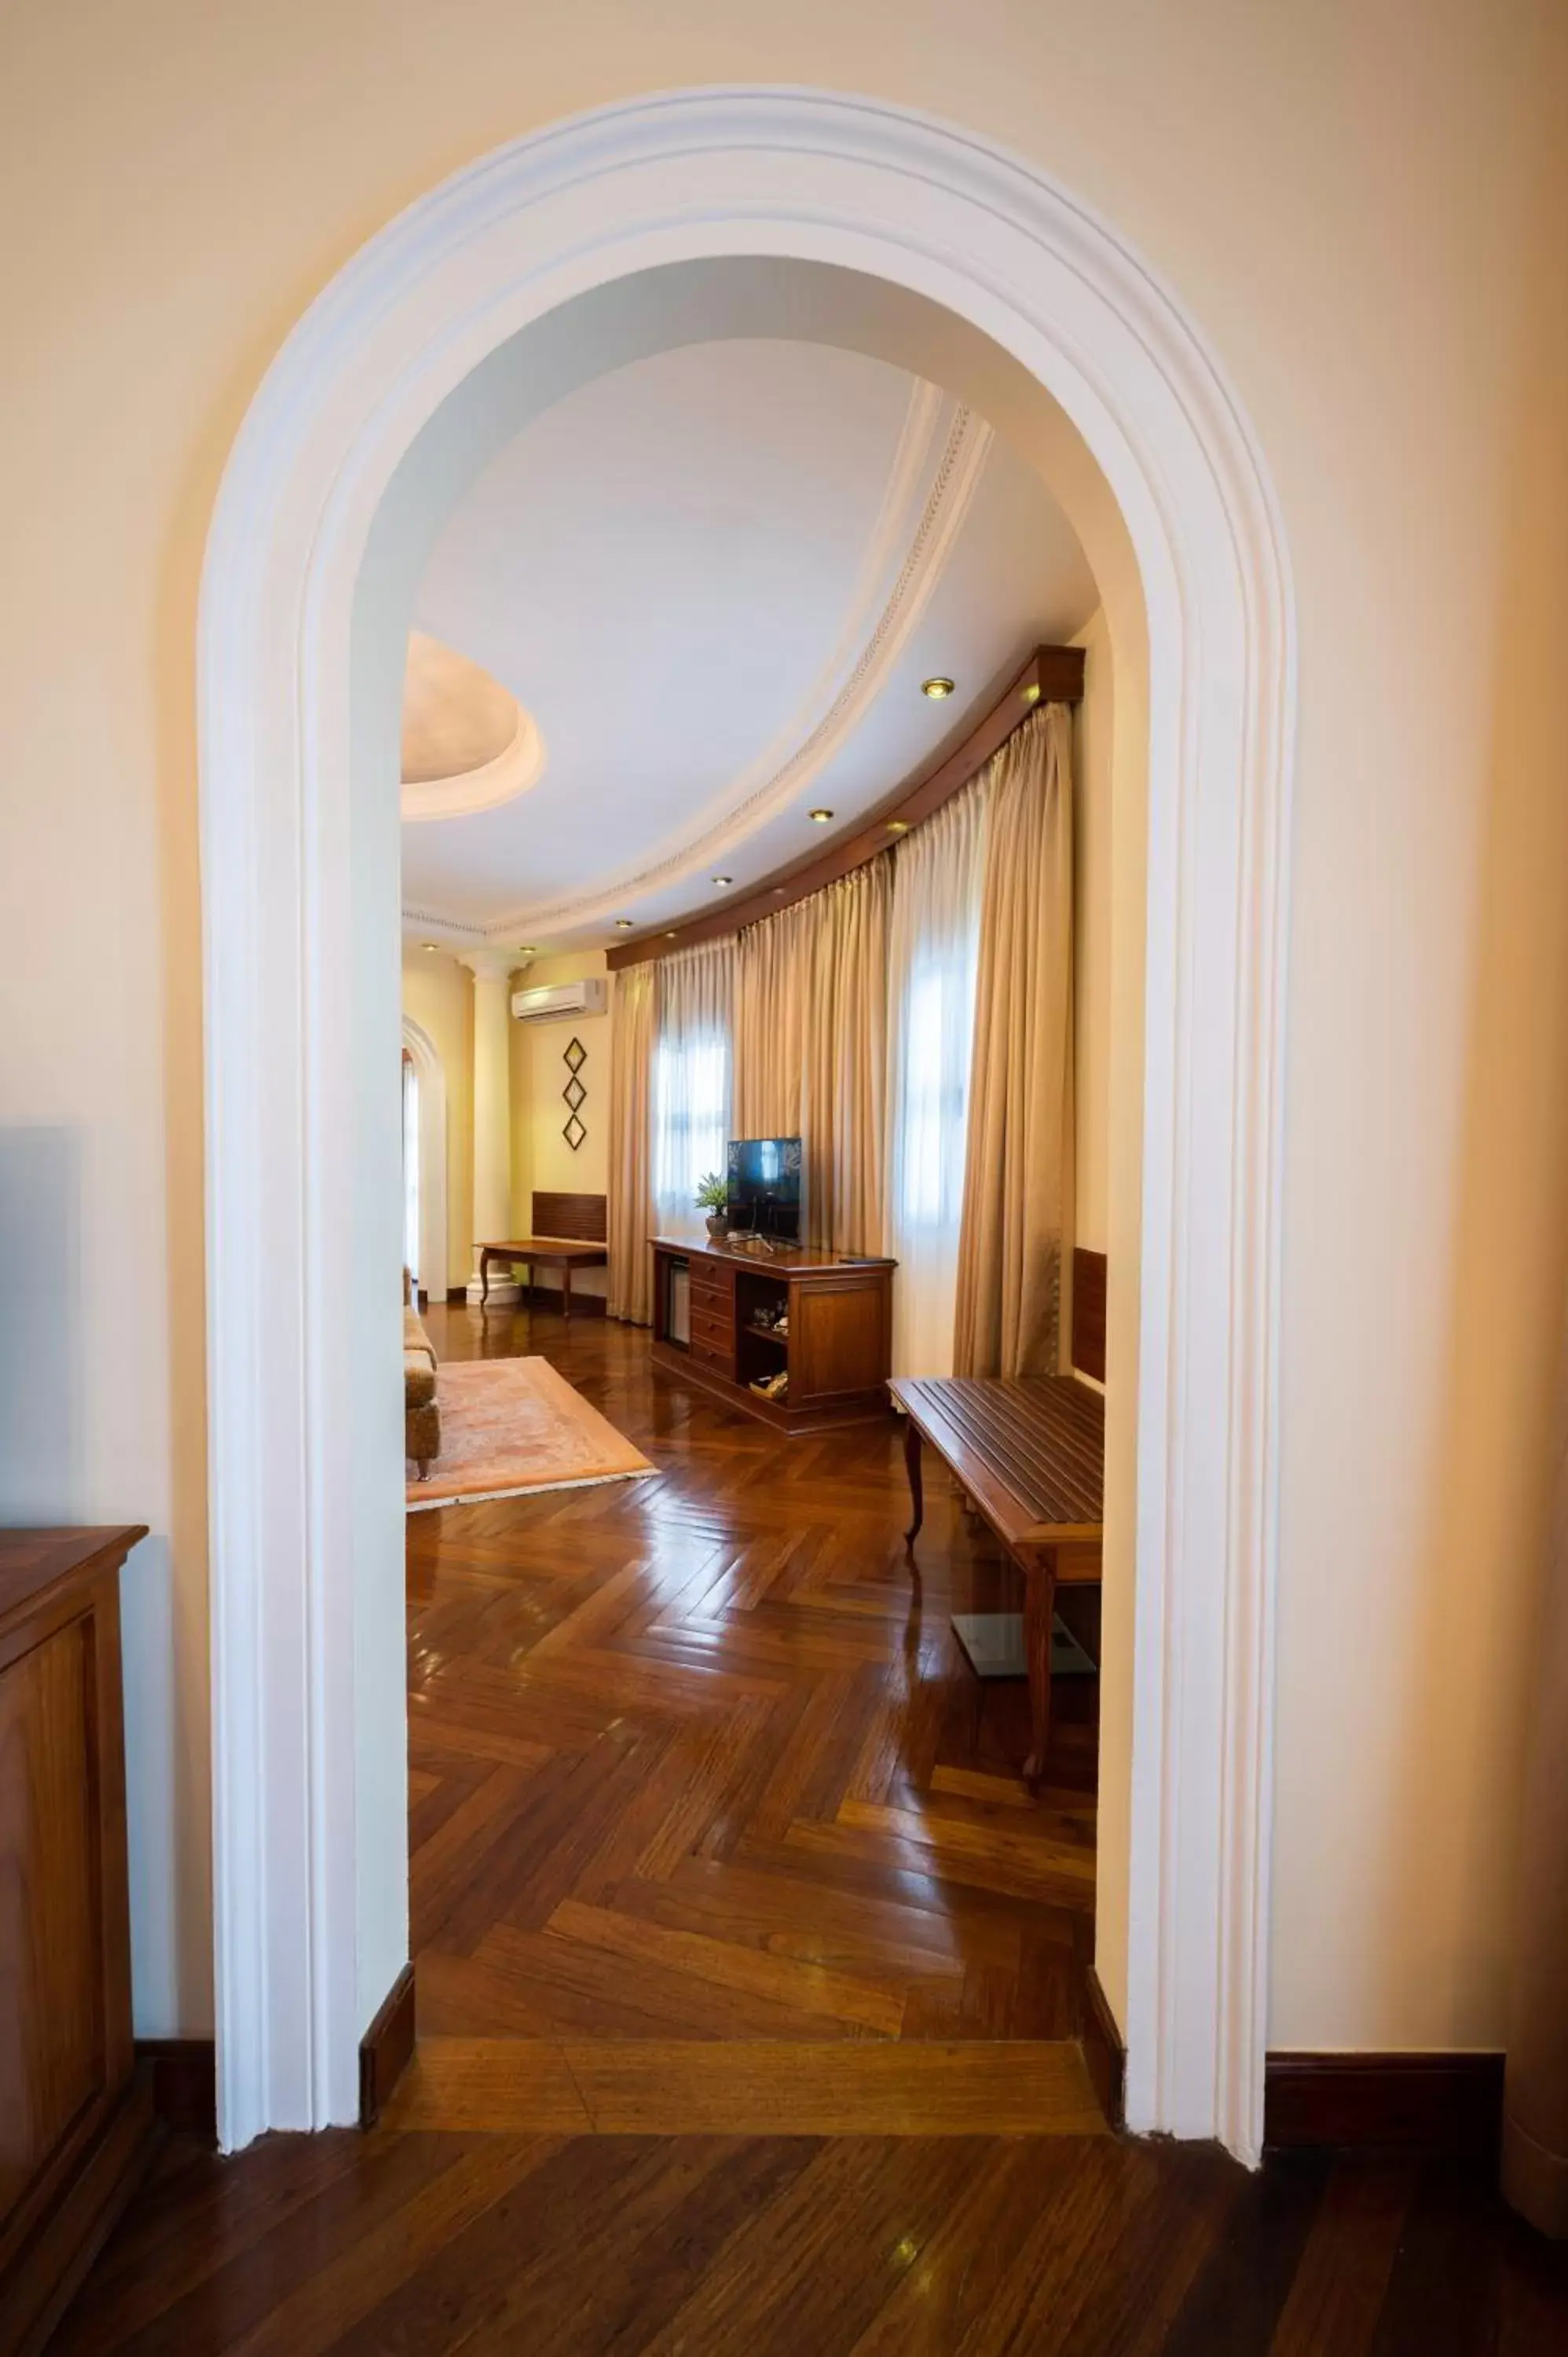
x=716 y=579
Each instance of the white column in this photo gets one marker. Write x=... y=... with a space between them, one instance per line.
x=491 y=970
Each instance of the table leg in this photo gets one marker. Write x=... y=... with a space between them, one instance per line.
x=484 y=1280
x=1039 y=1613
x=912 y=1467
x=566 y=1291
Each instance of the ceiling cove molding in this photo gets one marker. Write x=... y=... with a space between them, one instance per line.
x=937 y=467
x=433 y=922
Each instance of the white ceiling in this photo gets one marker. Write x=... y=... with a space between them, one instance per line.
x=716 y=579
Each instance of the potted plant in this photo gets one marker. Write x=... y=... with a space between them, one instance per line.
x=712 y=1198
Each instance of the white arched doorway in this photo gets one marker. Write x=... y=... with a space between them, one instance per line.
x=431 y=1132
x=331 y=491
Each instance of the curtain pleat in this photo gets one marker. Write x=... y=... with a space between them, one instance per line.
x=771 y=1000
x=1017 y=1207
x=811 y=1048
x=843 y=1085
x=630 y=1207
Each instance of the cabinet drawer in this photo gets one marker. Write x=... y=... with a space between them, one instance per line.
x=708 y=1327
x=712 y=1283
x=720 y=1355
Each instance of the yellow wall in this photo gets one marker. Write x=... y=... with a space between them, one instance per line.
x=541 y=1157
x=1361 y=207
x=439 y=993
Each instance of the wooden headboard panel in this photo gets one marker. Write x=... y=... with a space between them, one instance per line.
x=575 y=1218
x=1088 y=1312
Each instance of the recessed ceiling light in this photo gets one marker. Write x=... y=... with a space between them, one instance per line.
x=898 y=826
x=1032 y=693
x=821 y=816
x=671 y=937
x=623 y=924
x=936 y=688
x=723 y=879
x=528 y=949
x=427 y=945
x=780 y=891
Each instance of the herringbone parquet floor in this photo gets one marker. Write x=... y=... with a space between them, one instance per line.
x=693 y=1758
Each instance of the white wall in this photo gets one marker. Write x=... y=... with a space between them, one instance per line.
x=1353 y=200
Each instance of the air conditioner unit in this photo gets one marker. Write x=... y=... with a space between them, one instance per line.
x=556 y=1002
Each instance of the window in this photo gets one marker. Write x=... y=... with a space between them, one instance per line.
x=691 y=1117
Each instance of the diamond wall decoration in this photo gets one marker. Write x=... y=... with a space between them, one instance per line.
x=575 y=1093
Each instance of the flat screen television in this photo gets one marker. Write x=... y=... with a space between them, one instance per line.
x=763 y=1186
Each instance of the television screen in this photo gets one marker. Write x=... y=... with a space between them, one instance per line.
x=763 y=1186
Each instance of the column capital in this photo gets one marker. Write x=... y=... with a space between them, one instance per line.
x=489 y=966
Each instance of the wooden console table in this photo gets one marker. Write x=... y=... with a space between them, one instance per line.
x=547 y=1252
x=76 y=2110
x=1031 y=1455
x=836 y=1350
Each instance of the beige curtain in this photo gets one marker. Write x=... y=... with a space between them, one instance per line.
x=630 y=1209
x=843 y=1082
x=1017 y=1189
x=772 y=965
x=810 y=1048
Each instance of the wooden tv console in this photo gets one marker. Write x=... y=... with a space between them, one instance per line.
x=838 y=1348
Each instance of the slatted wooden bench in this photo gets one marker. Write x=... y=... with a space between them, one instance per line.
x=1031 y=1455
x=569 y=1233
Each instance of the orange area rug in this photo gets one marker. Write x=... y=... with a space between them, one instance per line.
x=511 y=1425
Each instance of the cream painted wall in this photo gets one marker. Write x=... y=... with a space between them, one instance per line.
x=541 y=1155
x=1361 y=205
x=1091 y=914
x=439 y=993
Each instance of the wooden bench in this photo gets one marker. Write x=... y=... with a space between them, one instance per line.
x=1031 y=1455
x=570 y=1234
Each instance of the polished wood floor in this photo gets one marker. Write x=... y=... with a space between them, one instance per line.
x=702 y=1800
x=408 y=2245
x=694 y=1757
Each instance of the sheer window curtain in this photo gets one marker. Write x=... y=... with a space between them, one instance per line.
x=933 y=947
x=1017 y=1206
x=690 y=1096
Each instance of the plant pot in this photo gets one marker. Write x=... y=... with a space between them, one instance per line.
x=718 y=1226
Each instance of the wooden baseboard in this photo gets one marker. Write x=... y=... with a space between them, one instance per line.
x=184 y=2082
x=1103 y=2051
x=1439 y=2104
x=385 y=2047
x=43 y=2276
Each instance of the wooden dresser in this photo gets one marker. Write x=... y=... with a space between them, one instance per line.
x=835 y=1349
x=76 y=2117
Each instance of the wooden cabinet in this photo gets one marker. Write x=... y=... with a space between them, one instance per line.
x=75 y=2115
x=835 y=1344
